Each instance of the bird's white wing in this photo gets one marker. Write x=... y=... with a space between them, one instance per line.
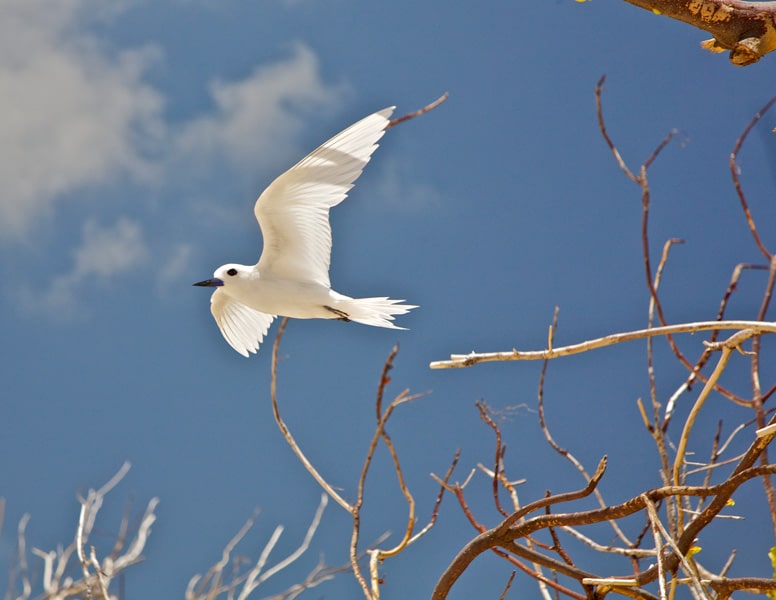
x=293 y=212
x=241 y=326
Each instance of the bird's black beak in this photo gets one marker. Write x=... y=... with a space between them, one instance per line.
x=215 y=282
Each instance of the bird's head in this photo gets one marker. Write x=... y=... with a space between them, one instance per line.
x=227 y=275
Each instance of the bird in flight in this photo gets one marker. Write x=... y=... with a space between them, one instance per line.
x=291 y=278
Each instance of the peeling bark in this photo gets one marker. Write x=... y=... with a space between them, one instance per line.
x=746 y=29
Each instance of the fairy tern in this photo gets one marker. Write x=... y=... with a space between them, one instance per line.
x=291 y=278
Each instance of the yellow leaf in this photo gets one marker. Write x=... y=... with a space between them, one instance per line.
x=694 y=550
x=712 y=45
x=772 y=556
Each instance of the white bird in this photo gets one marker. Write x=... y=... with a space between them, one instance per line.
x=291 y=278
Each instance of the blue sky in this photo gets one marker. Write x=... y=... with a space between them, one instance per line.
x=135 y=137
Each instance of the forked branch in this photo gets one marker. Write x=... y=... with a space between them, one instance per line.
x=370 y=585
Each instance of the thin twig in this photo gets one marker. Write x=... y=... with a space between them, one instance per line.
x=734 y=171
x=643 y=183
x=507 y=586
x=482 y=407
x=254 y=578
x=287 y=434
x=418 y=113
x=438 y=502
x=551 y=441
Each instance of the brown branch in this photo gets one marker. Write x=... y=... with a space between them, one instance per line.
x=537 y=575
x=505 y=534
x=559 y=498
x=657 y=431
x=643 y=182
x=384 y=381
x=732 y=286
x=482 y=542
x=744 y=28
x=565 y=453
x=443 y=487
x=556 y=545
x=507 y=586
x=521 y=551
x=740 y=267
x=722 y=492
x=482 y=407
x=418 y=113
x=757 y=401
x=724 y=586
x=734 y=170
x=285 y=431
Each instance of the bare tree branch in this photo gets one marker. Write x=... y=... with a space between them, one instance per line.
x=419 y=112
x=87 y=576
x=473 y=358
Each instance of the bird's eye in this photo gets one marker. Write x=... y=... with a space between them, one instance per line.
x=231 y=272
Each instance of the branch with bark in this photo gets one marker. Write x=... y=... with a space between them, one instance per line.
x=746 y=29
x=671 y=516
x=369 y=583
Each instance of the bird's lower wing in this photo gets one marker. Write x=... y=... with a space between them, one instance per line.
x=243 y=327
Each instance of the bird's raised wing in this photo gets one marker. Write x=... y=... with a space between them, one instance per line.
x=293 y=212
x=241 y=326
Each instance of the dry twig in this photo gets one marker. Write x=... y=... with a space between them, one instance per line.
x=88 y=576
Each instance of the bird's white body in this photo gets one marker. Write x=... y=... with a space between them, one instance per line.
x=286 y=297
x=291 y=278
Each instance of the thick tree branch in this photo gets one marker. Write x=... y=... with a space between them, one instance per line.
x=746 y=29
x=505 y=534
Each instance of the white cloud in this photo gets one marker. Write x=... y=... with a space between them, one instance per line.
x=104 y=253
x=256 y=117
x=77 y=112
x=73 y=112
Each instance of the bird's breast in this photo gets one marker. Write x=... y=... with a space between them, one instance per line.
x=286 y=298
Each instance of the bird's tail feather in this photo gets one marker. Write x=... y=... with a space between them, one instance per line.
x=378 y=312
